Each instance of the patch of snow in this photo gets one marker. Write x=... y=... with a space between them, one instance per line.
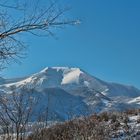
x=133 y=118
x=105 y=91
x=72 y=76
x=135 y=100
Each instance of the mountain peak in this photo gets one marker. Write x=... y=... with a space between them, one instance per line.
x=67 y=74
x=61 y=69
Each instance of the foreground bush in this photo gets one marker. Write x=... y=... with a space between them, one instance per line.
x=105 y=126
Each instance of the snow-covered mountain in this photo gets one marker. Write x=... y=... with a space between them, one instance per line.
x=72 y=92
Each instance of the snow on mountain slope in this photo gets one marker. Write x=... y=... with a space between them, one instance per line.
x=87 y=92
x=135 y=100
x=56 y=77
x=71 y=77
x=60 y=104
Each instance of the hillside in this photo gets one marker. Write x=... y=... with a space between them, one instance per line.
x=69 y=92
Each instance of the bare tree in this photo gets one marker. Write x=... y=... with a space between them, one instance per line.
x=26 y=17
x=16 y=112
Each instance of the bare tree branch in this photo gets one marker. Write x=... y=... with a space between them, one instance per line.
x=36 y=21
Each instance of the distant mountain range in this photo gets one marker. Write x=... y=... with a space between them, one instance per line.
x=70 y=92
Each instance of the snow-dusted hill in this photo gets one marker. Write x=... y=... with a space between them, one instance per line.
x=72 y=92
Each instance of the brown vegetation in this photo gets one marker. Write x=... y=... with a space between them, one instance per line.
x=96 y=127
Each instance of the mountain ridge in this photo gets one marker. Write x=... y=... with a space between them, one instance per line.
x=87 y=92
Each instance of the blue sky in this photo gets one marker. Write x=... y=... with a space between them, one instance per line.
x=106 y=44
